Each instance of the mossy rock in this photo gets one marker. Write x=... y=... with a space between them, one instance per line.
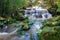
x=25 y=27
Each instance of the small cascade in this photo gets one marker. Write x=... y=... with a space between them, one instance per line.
x=25 y=37
x=37 y=13
x=35 y=37
x=35 y=28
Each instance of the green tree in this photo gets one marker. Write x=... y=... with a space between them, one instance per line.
x=9 y=10
x=8 y=7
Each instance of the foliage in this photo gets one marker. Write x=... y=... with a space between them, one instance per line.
x=58 y=6
x=51 y=29
x=15 y=4
x=55 y=21
x=33 y=2
x=23 y=27
x=50 y=33
x=51 y=5
x=10 y=10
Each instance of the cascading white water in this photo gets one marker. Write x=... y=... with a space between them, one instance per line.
x=35 y=14
x=38 y=13
x=34 y=29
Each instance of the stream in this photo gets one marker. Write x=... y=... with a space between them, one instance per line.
x=37 y=15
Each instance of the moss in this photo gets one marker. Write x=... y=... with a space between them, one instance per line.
x=50 y=33
x=55 y=21
x=51 y=29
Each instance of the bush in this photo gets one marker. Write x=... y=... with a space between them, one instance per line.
x=52 y=22
x=50 y=33
x=51 y=29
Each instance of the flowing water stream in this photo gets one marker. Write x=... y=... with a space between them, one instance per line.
x=34 y=29
x=36 y=15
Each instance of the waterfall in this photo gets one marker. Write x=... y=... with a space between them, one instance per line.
x=38 y=14
x=35 y=28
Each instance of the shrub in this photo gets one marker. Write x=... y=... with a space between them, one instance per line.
x=52 y=22
x=50 y=33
